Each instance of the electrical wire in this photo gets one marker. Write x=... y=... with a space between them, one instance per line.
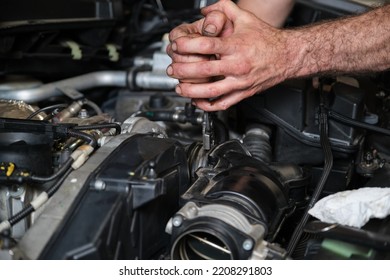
x=328 y=164
x=35 y=204
x=53 y=189
x=52 y=107
x=348 y=121
x=60 y=172
x=84 y=136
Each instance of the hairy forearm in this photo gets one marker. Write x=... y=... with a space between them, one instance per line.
x=254 y=56
x=354 y=44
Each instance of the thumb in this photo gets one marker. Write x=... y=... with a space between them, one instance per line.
x=216 y=24
x=227 y=7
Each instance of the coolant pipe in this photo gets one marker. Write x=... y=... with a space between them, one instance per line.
x=154 y=80
x=83 y=82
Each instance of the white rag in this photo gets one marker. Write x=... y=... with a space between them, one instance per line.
x=353 y=208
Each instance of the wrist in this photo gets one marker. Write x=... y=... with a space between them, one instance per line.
x=301 y=54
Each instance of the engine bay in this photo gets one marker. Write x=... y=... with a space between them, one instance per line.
x=100 y=159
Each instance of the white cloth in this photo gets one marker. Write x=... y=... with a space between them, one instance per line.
x=353 y=208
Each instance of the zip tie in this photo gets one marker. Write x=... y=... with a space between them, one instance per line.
x=75 y=49
x=4 y=226
x=39 y=200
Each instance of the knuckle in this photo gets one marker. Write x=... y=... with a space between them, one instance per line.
x=178 y=32
x=173 y=34
x=213 y=91
x=175 y=71
x=224 y=105
x=206 y=44
x=207 y=69
x=241 y=69
x=180 y=43
x=169 y=51
x=175 y=57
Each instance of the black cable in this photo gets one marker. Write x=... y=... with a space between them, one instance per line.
x=346 y=120
x=53 y=189
x=170 y=116
x=100 y=126
x=328 y=164
x=164 y=116
x=291 y=131
x=60 y=171
x=52 y=107
x=84 y=136
x=28 y=209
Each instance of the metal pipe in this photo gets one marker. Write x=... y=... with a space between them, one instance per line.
x=155 y=80
x=83 y=82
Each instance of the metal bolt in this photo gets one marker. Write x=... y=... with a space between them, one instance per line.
x=247 y=245
x=177 y=221
x=99 y=185
x=83 y=114
x=16 y=193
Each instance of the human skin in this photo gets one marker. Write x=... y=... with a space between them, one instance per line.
x=253 y=56
x=273 y=12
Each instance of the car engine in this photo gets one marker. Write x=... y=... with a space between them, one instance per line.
x=100 y=159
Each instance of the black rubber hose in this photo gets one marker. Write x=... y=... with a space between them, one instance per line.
x=53 y=189
x=52 y=107
x=60 y=171
x=328 y=164
x=84 y=136
x=21 y=215
x=165 y=116
x=345 y=120
x=100 y=126
x=257 y=141
x=28 y=209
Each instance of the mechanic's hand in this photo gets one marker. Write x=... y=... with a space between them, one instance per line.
x=251 y=57
x=215 y=24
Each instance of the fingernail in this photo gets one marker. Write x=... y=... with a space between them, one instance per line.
x=170 y=70
x=178 y=89
x=174 y=46
x=210 y=28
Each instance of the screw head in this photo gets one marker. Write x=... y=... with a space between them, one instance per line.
x=247 y=245
x=99 y=185
x=177 y=221
x=83 y=114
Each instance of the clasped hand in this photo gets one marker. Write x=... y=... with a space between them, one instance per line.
x=226 y=56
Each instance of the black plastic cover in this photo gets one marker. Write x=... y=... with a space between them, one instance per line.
x=293 y=109
x=126 y=219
